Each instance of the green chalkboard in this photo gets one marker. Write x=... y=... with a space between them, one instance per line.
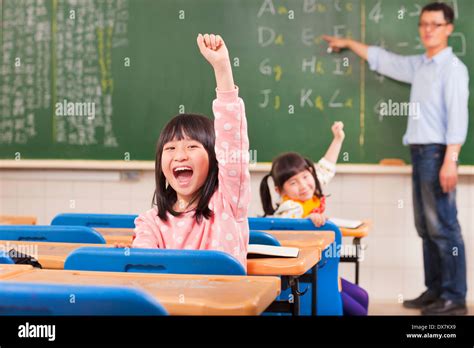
x=123 y=68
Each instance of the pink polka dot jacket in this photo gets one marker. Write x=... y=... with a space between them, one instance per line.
x=227 y=230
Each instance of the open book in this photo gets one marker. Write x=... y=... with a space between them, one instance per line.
x=345 y=223
x=260 y=250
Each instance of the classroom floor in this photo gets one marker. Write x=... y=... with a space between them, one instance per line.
x=390 y=308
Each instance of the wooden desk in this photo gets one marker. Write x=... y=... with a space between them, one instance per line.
x=179 y=294
x=11 y=270
x=307 y=258
x=303 y=239
x=17 y=220
x=291 y=270
x=297 y=239
x=359 y=232
x=116 y=235
x=49 y=255
x=53 y=256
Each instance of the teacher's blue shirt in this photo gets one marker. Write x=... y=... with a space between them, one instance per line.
x=440 y=89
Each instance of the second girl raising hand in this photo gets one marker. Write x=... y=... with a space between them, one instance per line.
x=202 y=177
x=299 y=183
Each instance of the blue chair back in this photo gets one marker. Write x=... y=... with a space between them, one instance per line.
x=59 y=234
x=153 y=261
x=5 y=258
x=259 y=237
x=95 y=220
x=284 y=224
x=53 y=299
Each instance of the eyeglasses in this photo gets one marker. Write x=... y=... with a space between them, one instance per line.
x=431 y=25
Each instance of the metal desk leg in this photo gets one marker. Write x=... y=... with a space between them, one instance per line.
x=294 y=283
x=314 y=290
x=356 y=242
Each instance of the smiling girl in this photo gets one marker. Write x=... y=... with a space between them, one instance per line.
x=201 y=199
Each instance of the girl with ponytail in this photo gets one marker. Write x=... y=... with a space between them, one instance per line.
x=299 y=183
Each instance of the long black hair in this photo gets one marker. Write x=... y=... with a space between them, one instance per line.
x=198 y=128
x=283 y=168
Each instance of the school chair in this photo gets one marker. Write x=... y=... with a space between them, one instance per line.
x=54 y=299
x=259 y=237
x=5 y=258
x=153 y=261
x=95 y=220
x=58 y=234
x=328 y=296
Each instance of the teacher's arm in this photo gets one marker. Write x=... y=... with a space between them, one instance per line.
x=395 y=66
x=336 y=44
x=456 y=95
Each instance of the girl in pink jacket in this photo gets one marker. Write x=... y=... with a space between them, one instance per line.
x=202 y=173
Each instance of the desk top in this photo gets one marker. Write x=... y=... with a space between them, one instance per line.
x=302 y=239
x=179 y=294
x=53 y=255
x=122 y=235
x=297 y=239
x=359 y=232
x=10 y=270
x=50 y=255
x=17 y=220
x=307 y=258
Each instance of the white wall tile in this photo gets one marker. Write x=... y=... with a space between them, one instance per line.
x=358 y=211
x=334 y=189
x=116 y=190
x=33 y=188
x=33 y=206
x=413 y=283
x=8 y=188
x=87 y=189
x=413 y=252
x=387 y=283
x=115 y=206
x=357 y=189
x=389 y=252
x=59 y=189
x=389 y=220
x=389 y=189
x=9 y=206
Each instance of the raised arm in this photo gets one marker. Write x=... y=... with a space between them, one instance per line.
x=326 y=167
x=232 y=143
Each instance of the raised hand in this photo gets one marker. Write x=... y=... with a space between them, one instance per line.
x=338 y=130
x=213 y=48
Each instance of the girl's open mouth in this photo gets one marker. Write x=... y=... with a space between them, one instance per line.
x=183 y=175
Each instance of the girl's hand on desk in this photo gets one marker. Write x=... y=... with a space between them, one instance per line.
x=318 y=219
x=123 y=245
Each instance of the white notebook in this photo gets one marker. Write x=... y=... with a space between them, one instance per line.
x=346 y=223
x=260 y=250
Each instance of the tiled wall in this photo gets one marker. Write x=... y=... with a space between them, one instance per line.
x=392 y=267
